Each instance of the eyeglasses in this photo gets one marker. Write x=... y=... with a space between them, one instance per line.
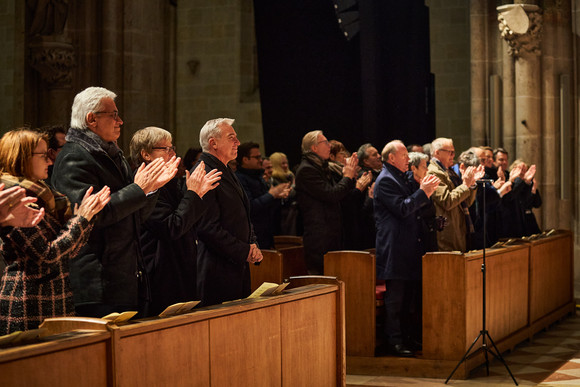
x=452 y=152
x=167 y=149
x=324 y=142
x=259 y=157
x=115 y=114
x=44 y=155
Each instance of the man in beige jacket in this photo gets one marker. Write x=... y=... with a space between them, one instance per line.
x=453 y=196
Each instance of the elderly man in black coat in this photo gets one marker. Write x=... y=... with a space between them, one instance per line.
x=319 y=199
x=108 y=274
x=227 y=242
x=399 y=246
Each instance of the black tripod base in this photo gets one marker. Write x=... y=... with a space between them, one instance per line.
x=484 y=335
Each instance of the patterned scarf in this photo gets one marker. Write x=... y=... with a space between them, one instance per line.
x=54 y=203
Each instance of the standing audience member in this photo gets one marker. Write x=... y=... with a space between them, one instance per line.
x=453 y=196
x=168 y=237
x=268 y=170
x=108 y=275
x=56 y=137
x=35 y=284
x=430 y=223
x=369 y=160
x=288 y=222
x=399 y=245
x=264 y=202
x=227 y=242
x=319 y=199
x=337 y=159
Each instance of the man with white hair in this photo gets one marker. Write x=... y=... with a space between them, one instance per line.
x=453 y=196
x=227 y=243
x=108 y=274
x=400 y=246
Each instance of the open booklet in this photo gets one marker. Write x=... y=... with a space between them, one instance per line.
x=117 y=318
x=268 y=289
x=179 y=308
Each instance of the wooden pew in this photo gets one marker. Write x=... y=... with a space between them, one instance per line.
x=551 y=279
x=293 y=339
x=281 y=241
x=357 y=270
x=73 y=359
x=278 y=265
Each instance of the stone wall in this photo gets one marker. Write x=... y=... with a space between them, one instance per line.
x=450 y=53
x=11 y=64
x=215 y=65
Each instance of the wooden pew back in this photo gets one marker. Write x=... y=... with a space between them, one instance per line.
x=357 y=270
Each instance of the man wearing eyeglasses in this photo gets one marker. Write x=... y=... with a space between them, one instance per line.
x=319 y=198
x=264 y=201
x=453 y=196
x=107 y=276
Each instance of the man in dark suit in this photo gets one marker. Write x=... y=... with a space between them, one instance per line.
x=399 y=247
x=227 y=242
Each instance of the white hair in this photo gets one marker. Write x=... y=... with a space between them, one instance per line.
x=88 y=101
x=212 y=129
x=439 y=143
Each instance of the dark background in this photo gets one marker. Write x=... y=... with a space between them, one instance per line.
x=373 y=88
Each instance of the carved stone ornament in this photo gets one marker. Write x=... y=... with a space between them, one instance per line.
x=54 y=61
x=521 y=27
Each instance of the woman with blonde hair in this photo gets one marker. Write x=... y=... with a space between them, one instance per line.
x=281 y=172
x=35 y=283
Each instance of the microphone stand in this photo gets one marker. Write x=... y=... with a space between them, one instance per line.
x=483 y=333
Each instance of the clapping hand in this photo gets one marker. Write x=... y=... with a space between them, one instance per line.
x=201 y=182
x=14 y=210
x=92 y=204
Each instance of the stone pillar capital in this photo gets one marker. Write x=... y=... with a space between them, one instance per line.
x=54 y=60
x=521 y=27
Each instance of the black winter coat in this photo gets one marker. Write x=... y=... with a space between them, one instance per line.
x=319 y=200
x=225 y=234
x=169 y=246
x=109 y=269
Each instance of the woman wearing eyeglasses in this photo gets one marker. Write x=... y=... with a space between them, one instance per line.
x=168 y=237
x=35 y=283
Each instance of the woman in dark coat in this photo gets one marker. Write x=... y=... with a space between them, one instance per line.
x=168 y=237
x=35 y=284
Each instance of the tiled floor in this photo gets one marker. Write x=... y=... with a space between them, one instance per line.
x=552 y=359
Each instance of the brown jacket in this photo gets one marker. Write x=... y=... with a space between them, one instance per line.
x=447 y=199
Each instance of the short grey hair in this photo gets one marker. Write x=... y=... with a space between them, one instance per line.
x=439 y=143
x=362 y=153
x=468 y=158
x=145 y=139
x=416 y=157
x=309 y=139
x=88 y=101
x=212 y=129
x=391 y=147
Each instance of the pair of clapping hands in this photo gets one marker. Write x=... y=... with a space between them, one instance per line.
x=16 y=212
x=150 y=177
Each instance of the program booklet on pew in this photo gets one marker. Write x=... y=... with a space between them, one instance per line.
x=179 y=308
x=268 y=289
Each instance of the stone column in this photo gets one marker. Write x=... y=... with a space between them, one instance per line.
x=521 y=27
x=479 y=72
x=52 y=55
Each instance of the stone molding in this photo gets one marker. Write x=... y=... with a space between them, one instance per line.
x=54 y=61
x=521 y=44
